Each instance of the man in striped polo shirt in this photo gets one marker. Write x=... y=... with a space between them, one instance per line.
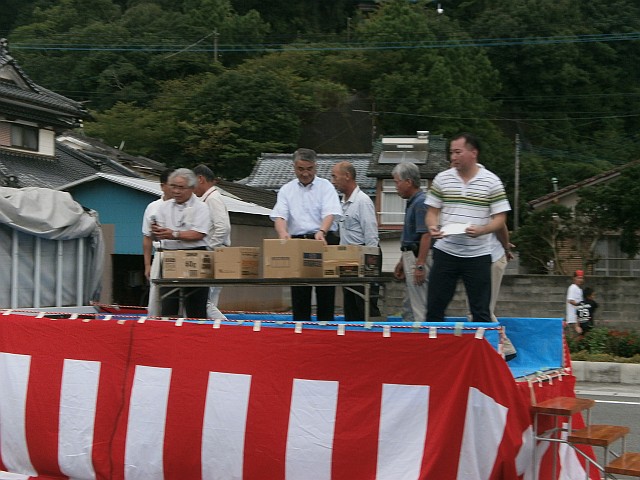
x=466 y=204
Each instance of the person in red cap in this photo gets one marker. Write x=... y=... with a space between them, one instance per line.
x=574 y=299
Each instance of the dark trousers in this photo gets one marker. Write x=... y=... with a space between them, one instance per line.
x=301 y=303
x=325 y=296
x=475 y=273
x=354 y=304
x=195 y=303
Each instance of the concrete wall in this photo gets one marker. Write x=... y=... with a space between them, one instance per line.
x=544 y=296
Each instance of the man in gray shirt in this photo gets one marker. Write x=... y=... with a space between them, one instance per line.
x=358 y=226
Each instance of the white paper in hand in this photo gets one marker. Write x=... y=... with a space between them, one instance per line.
x=454 y=229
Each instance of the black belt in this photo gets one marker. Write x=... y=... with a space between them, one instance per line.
x=409 y=248
x=312 y=236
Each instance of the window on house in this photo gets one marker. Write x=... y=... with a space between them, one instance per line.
x=24 y=136
x=612 y=262
x=391 y=205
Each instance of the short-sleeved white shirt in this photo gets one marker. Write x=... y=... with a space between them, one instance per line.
x=574 y=292
x=190 y=215
x=304 y=207
x=358 y=225
x=220 y=230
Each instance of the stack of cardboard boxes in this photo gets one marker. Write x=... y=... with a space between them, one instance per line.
x=295 y=258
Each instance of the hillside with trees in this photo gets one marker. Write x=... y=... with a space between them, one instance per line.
x=221 y=81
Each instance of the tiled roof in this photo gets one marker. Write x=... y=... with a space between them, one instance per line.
x=260 y=196
x=437 y=160
x=101 y=152
x=19 y=169
x=275 y=169
x=33 y=100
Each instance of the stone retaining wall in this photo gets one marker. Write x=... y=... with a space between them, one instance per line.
x=544 y=296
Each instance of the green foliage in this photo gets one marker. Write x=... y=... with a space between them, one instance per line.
x=280 y=66
x=538 y=241
x=623 y=343
x=603 y=341
x=613 y=205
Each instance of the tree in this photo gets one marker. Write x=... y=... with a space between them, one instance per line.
x=234 y=117
x=540 y=240
x=612 y=207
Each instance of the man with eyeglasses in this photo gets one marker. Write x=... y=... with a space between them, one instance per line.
x=307 y=207
x=182 y=223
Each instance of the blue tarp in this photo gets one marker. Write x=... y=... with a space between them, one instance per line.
x=539 y=342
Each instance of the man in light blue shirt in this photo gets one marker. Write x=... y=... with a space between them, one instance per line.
x=308 y=207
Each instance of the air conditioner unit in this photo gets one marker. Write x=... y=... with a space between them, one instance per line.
x=405 y=149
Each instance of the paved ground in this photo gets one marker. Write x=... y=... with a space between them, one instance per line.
x=616 y=404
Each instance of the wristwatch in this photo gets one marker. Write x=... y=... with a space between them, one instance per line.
x=419 y=267
x=176 y=234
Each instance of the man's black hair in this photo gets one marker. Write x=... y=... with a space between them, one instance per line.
x=164 y=175
x=470 y=139
x=205 y=171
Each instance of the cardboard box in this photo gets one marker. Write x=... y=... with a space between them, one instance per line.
x=340 y=268
x=346 y=260
x=295 y=258
x=236 y=262
x=187 y=264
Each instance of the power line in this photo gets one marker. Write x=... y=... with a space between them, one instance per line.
x=404 y=45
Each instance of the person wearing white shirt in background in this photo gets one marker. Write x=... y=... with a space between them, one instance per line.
x=574 y=298
x=183 y=224
x=500 y=256
x=220 y=231
x=152 y=268
x=308 y=207
x=358 y=226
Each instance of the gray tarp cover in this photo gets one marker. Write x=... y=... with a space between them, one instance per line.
x=55 y=215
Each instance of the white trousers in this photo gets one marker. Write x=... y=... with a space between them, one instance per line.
x=415 y=297
x=212 y=304
x=154 y=308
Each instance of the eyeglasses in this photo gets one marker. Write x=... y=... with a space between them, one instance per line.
x=179 y=187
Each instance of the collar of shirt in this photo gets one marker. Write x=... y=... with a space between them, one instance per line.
x=208 y=193
x=308 y=185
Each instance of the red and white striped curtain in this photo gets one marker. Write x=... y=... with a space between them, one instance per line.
x=141 y=401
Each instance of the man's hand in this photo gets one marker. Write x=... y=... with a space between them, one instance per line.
x=419 y=274
x=475 y=230
x=435 y=232
x=508 y=252
x=398 y=272
x=162 y=233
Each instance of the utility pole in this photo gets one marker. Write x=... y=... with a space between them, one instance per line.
x=215 y=45
x=516 y=195
x=374 y=114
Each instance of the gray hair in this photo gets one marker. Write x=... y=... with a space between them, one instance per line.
x=185 y=173
x=305 y=154
x=407 y=171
